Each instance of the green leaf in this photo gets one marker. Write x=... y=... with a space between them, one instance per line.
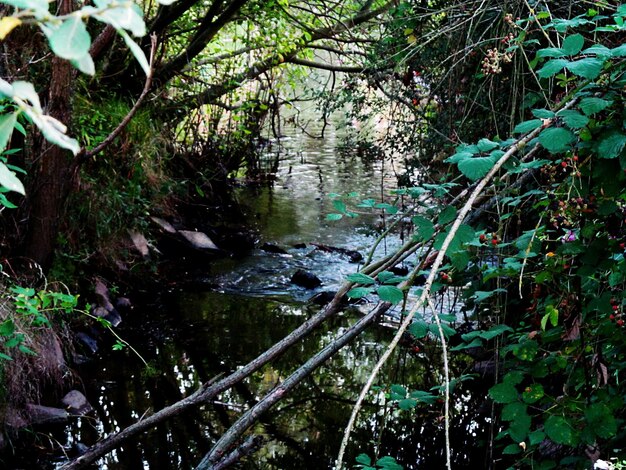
x=592 y=105
x=503 y=393
x=588 y=67
x=543 y=113
x=39 y=6
x=360 y=278
x=477 y=167
x=556 y=139
x=475 y=343
x=5 y=357
x=611 y=145
x=573 y=119
x=333 y=217
x=512 y=449
x=71 y=40
x=552 y=67
x=527 y=126
x=388 y=463
x=7 y=327
x=619 y=51
x=359 y=292
x=136 y=51
x=447 y=215
x=555 y=52
x=85 y=64
x=7 y=124
x=339 y=206
x=424 y=227
x=459 y=156
x=126 y=16
x=9 y=180
x=520 y=427
x=407 y=404
x=559 y=431
x=390 y=294
x=599 y=50
x=387 y=277
x=485 y=145
x=364 y=459
x=573 y=44
x=601 y=420
x=495 y=331
x=512 y=411
x=533 y=393
x=419 y=329
x=536 y=437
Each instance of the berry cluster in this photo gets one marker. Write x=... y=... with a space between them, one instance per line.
x=491 y=64
x=616 y=314
x=446 y=277
x=566 y=166
x=566 y=213
x=484 y=239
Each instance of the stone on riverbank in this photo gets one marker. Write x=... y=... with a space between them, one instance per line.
x=305 y=279
x=76 y=403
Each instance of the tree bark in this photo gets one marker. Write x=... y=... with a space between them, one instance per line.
x=52 y=175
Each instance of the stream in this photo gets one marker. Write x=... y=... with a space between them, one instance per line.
x=193 y=335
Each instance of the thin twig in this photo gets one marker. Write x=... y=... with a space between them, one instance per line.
x=431 y=278
x=117 y=131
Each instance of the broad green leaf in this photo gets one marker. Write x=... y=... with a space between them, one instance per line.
x=601 y=420
x=573 y=119
x=543 y=113
x=485 y=145
x=556 y=139
x=588 y=67
x=592 y=105
x=611 y=145
x=7 y=124
x=9 y=180
x=475 y=343
x=126 y=16
x=447 y=215
x=364 y=459
x=7 y=328
x=26 y=91
x=407 y=404
x=527 y=126
x=526 y=351
x=334 y=217
x=360 y=278
x=359 y=292
x=477 y=167
x=424 y=227
x=513 y=410
x=599 y=50
x=419 y=329
x=533 y=393
x=390 y=294
x=554 y=52
x=512 y=449
x=495 y=331
x=447 y=330
x=54 y=131
x=619 y=51
x=40 y=6
x=520 y=427
x=71 y=40
x=388 y=463
x=398 y=391
x=559 y=431
x=552 y=67
x=536 y=437
x=339 y=206
x=573 y=44
x=387 y=277
x=503 y=393
x=136 y=51
x=85 y=64
x=459 y=156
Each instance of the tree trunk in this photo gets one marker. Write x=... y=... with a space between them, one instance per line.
x=52 y=173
